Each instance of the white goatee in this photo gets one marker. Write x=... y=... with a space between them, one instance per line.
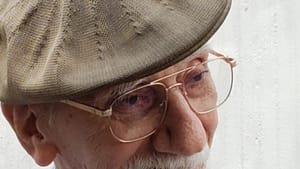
x=162 y=161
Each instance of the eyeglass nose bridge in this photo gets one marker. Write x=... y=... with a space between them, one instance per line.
x=174 y=86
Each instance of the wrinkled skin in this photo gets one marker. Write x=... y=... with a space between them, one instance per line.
x=75 y=139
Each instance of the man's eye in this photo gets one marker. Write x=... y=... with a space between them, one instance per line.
x=132 y=100
x=140 y=101
x=195 y=82
x=198 y=77
x=195 y=77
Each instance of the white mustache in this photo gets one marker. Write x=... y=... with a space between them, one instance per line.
x=161 y=161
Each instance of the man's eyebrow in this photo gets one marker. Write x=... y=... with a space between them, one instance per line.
x=127 y=86
x=104 y=96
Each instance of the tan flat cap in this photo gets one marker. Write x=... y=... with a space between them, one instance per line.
x=52 y=50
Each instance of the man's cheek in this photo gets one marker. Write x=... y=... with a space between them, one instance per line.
x=110 y=152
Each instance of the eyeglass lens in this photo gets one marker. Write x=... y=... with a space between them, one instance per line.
x=139 y=112
x=207 y=85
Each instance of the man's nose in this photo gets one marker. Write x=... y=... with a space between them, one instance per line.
x=182 y=131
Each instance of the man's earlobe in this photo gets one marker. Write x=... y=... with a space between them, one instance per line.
x=24 y=123
x=44 y=152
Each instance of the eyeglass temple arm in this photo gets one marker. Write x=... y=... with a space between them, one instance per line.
x=89 y=109
x=227 y=59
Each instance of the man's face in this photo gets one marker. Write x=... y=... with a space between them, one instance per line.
x=84 y=141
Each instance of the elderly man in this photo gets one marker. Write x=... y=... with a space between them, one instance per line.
x=113 y=84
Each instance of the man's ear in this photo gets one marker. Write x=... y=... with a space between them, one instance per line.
x=24 y=122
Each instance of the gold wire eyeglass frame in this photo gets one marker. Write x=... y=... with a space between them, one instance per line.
x=108 y=112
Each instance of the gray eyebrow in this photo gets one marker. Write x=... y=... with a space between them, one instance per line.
x=124 y=87
x=104 y=97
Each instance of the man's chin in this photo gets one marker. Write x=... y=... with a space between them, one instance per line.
x=163 y=161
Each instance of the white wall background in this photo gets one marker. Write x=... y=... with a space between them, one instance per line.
x=259 y=126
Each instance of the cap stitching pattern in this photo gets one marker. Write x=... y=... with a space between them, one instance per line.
x=25 y=20
x=66 y=27
x=166 y=4
x=99 y=44
x=46 y=34
x=138 y=28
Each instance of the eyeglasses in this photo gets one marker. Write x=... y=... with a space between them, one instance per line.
x=138 y=113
